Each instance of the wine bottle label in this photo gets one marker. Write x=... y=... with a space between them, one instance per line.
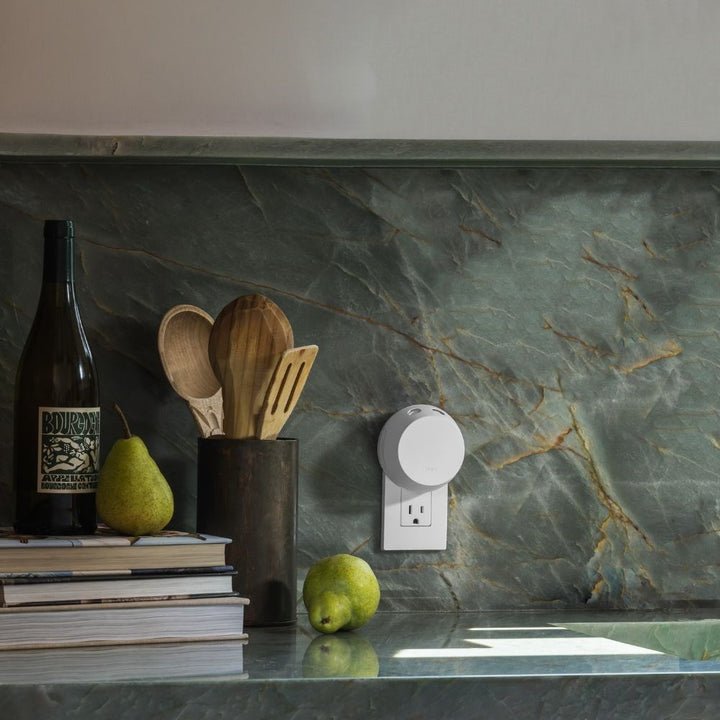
x=69 y=452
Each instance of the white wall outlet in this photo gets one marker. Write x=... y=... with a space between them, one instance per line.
x=401 y=508
x=415 y=508
x=420 y=450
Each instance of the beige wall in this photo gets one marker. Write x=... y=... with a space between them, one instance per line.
x=484 y=69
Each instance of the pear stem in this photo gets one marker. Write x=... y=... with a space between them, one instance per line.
x=126 y=427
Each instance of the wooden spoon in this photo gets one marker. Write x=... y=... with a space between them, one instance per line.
x=248 y=338
x=182 y=343
x=285 y=388
x=283 y=322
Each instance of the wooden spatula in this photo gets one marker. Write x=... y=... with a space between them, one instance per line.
x=246 y=342
x=285 y=388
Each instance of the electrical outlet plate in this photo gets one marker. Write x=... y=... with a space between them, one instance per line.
x=414 y=520
x=415 y=508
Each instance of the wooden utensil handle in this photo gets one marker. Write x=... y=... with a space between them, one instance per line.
x=208 y=414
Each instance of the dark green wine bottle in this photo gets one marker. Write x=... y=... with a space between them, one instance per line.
x=57 y=414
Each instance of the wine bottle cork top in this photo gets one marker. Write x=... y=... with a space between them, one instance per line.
x=58 y=228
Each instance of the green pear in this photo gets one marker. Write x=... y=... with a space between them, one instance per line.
x=340 y=592
x=346 y=655
x=133 y=497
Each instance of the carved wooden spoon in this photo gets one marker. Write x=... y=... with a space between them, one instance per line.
x=182 y=343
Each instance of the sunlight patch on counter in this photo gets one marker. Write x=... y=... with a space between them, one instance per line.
x=529 y=647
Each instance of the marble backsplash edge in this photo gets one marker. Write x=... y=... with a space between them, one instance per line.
x=566 y=317
x=356 y=152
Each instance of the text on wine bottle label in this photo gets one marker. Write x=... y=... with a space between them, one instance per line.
x=69 y=452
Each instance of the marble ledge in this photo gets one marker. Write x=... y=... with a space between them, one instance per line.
x=501 y=664
x=20 y=147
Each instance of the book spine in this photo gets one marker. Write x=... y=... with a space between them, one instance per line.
x=118 y=601
x=9 y=578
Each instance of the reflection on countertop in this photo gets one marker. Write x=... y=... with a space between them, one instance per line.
x=490 y=644
x=494 y=665
x=405 y=645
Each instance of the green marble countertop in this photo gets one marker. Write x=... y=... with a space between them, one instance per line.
x=419 y=665
x=493 y=644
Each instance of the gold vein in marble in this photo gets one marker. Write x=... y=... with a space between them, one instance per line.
x=614 y=509
x=607 y=266
x=545 y=447
x=575 y=339
x=670 y=349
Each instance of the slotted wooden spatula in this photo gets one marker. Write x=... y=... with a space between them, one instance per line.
x=288 y=381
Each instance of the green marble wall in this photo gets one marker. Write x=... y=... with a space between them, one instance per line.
x=567 y=318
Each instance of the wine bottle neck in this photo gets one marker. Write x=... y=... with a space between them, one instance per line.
x=58 y=263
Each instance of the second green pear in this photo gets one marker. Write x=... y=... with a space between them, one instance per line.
x=340 y=592
x=133 y=496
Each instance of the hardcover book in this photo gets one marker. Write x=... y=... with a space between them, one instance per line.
x=64 y=588
x=108 y=552
x=159 y=621
x=219 y=659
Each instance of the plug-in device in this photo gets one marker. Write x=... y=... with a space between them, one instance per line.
x=420 y=450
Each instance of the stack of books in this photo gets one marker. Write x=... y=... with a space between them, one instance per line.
x=121 y=597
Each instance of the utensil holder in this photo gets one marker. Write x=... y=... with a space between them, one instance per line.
x=247 y=491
